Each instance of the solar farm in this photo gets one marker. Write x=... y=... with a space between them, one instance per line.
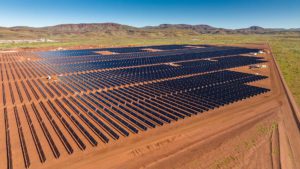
x=60 y=106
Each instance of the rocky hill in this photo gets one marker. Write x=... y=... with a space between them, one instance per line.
x=114 y=29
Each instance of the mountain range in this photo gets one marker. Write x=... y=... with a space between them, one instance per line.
x=114 y=29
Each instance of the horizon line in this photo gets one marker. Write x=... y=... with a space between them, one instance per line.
x=143 y=26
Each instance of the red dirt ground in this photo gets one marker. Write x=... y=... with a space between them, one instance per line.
x=260 y=132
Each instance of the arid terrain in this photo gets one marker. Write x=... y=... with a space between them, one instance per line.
x=174 y=106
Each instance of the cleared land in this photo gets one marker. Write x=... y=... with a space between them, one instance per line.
x=176 y=106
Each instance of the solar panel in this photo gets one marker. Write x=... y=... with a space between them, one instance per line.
x=89 y=98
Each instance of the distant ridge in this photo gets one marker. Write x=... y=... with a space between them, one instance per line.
x=207 y=29
x=92 y=27
x=115 y=29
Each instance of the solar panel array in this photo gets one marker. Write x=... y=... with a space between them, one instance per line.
x=94 y=99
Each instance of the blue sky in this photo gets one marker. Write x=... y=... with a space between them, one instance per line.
x=219 y=13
